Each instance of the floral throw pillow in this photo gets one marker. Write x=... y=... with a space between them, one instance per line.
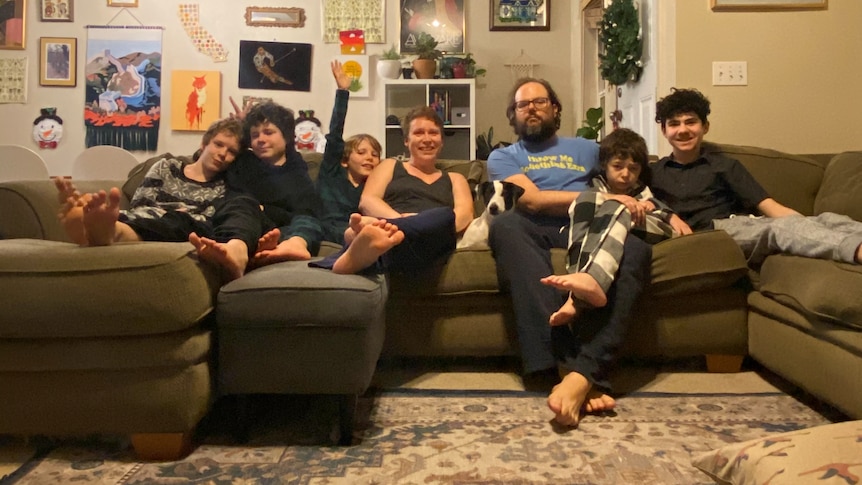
x=824 y=454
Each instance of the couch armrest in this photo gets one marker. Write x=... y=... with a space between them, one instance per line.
x=28 y=209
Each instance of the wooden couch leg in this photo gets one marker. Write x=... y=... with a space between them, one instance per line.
x=723 y=363
x=162 y=446
x=346 y=417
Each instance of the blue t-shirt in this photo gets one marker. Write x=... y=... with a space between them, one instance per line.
x=555 y=164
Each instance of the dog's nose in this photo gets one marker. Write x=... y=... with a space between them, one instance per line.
x=493 y=209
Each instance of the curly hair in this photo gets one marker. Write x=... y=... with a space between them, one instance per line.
x=552 y=95
x=681 y=101
x=624 y=143
x=354 y=141
x=270 y=112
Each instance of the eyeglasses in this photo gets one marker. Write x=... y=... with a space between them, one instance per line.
x=539 y=103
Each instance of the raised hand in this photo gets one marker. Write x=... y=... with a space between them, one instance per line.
x=341 y=78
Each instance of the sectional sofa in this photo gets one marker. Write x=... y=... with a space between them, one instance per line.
x=140 y=338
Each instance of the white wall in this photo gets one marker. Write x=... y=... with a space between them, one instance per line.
x=225 y=20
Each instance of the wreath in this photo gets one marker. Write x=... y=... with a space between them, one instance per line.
x=621 y=43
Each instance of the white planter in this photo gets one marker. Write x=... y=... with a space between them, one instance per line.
x=388 y=68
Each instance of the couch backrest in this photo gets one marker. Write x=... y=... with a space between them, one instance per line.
x=839 y=191
x=792 y=180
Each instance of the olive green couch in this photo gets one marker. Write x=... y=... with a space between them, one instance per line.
x=139 y=355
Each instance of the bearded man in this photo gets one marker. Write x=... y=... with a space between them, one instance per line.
x=572 y=361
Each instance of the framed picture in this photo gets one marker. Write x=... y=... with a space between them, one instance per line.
x=520 y=15
x=122 y=3
x=58 y=60
x=442 y=19
x=763 y=5
x=13 y=15
x=57 y=10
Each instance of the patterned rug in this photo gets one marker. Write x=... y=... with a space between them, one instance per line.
x=443 y=437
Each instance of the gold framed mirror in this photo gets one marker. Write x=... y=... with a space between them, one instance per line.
x=275 y=17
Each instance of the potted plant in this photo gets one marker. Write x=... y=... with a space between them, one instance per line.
x=389 y=64
x=466 y=67
x=427 y=54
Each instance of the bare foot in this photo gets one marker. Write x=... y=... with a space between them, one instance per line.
x=71 y=214
x=565 y=315
x=574 y=395
x=371 y=243
x=859 y=254
x=356 y=223
x=597 y=401
x=100 y=217
x=292 y=249
x=582 y=286
x=231 y=257
x=268 y=241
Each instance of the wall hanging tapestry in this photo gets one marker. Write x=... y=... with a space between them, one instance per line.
x=123 y=93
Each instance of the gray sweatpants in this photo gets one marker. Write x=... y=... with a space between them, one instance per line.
x=825 y=236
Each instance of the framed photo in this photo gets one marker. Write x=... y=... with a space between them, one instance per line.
x=58 y=60
x=122 y=3
x=56 y=10
x=13 y=16
x=442 y=19
x=764 y=5
x=516 y=15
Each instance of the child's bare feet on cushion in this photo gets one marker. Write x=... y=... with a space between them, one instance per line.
x=582 y=286
x=231 y=257
x=100 y=217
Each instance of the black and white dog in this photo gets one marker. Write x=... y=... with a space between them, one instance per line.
x=498 y=197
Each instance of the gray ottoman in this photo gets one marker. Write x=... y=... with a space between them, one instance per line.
x=291 y=329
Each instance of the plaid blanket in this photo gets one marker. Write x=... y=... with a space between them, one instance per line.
x=598 y=228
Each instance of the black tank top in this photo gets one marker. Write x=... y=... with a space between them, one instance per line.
x=406 y=193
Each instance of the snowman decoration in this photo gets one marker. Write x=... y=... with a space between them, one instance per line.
x=48 y=128
x=308 y=136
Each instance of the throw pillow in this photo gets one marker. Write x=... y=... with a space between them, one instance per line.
x=824 y=454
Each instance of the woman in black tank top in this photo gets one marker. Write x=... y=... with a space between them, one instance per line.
x=412 y=210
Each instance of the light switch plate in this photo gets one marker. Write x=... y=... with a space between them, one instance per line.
x=730 y=73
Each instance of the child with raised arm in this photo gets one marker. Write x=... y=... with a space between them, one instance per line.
x=345 y=166
x=619 y=202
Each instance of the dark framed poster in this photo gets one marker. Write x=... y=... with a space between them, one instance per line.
x=442 y=19
x=274 y=65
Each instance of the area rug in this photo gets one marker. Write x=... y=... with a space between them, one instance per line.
x=447 y=437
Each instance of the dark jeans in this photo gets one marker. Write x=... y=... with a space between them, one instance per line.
x=428 y=236
x=236 y=217
x=521 y=247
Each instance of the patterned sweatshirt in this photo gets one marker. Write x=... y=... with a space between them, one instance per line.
x=166 y=188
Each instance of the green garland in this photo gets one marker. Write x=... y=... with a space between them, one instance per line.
x=621 y=43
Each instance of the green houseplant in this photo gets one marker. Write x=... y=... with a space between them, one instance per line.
x=389 y=64
x=468 y=64
x=592 y=124
x=427 y=54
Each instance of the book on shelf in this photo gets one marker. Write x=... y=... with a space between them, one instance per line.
x=439 y=100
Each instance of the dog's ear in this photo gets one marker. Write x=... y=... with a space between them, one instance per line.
x=487 y=192
x=511 y=194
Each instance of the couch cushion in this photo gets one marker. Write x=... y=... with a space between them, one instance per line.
x=698 y=262
x=53 y=289
x=790 y=179
x=839 y=191
x=818 y=455
x=820 y=289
